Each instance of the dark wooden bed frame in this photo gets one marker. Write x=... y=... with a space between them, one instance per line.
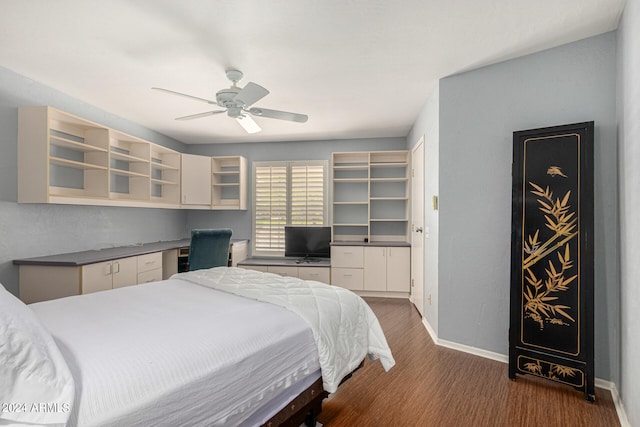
x=303 y=409
x=306 y=407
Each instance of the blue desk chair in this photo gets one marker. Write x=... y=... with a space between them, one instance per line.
x=209 y=248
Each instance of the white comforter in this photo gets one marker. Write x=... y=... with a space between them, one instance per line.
x=344 y=327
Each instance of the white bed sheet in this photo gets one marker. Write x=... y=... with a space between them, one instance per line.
x=175 y=353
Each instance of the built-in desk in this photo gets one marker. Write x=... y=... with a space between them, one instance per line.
x=57 y=276
x=318 y=269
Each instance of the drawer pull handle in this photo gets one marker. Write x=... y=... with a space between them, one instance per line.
x=150 y=262
x=348 y=275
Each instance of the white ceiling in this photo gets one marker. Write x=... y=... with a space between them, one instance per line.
x=358 y=68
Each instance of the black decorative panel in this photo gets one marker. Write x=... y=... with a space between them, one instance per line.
x=551 y=313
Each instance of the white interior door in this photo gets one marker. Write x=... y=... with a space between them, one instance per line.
x=417 y=226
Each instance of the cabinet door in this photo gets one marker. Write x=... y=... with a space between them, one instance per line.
x=375 y=268
x=125 y=272
x=196 y=180
x=97 y=277
x=398 y=269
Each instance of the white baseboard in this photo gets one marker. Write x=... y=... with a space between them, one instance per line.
x=607 y=385
x=622 y=415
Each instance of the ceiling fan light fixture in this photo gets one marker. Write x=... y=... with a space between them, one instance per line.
x=248 y=124
x=235 y=112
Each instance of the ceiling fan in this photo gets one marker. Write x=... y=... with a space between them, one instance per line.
x=237 y=101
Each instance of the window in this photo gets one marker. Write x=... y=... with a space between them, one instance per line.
x=286 y=193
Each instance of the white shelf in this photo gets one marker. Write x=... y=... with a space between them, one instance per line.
x=127 y=158
x=74 y=164
x=59 y=141
x=123 y=172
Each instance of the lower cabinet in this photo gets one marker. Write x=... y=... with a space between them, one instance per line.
x=150 y=267
x=371 y=268
x=387 y=269
x=319 y=274
x=106 y=275
x=46 y=282
x=349 y=278
x=121 y=272
x=347 y=264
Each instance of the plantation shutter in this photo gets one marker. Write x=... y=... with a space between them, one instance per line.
x=307 y=195
x=270 y=209
x=286 y=193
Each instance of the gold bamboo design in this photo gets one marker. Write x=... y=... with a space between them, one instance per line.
x=553 y=372
x=539 y=294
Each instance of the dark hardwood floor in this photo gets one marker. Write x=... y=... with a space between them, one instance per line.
x=437 y=386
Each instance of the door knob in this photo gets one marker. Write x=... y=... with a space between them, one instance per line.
x=418 y=229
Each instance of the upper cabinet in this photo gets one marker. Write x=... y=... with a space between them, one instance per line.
x=196 y=181
x=69 y=160
x=214 y=182
x=371 y=196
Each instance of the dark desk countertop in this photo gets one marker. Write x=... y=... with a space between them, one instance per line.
x=287 y=262
x=360 y=243
x=107 y=254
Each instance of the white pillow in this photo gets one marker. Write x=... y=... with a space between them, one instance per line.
x=36 y=385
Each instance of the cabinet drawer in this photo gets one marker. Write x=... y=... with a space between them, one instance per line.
x=149 y=262
x=350 y=278
x=262 y=268
x=347 y=256
x=319 y=274
x=150 y=276
x=284 y=271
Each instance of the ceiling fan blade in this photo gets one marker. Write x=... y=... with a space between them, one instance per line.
x=282 y=115
x=183 y=94
x=197 y=116
x=250 y=94
x=248 y=124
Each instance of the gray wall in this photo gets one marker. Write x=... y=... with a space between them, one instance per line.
x=240 y=221
x=629 y=154
x=28 y=230
x=479 y=110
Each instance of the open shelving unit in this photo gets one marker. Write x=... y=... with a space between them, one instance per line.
x=69 y=160
x=370 y=196
x=129 y=172
x=228 y=183
x=165 y=175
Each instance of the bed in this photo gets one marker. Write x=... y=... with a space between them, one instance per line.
x=217 y=347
